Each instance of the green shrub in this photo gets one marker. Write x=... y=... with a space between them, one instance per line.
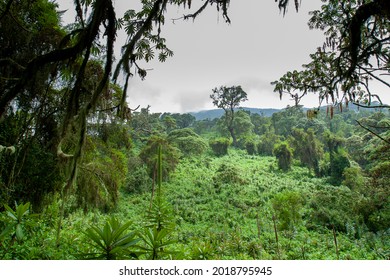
x=101 y=174
x=287 y=206
x=220 y=146
x=339 y=162
x=250 y=147
x=17 y=221
x=267 y=143
x=139 y=180
x=17 y=231
x=307 y=148
x=188 y=142
x=228 y=174
x=115 y=134
x=333 y=206
x=159 y=231
x=284 y=154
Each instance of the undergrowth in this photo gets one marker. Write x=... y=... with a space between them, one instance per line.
x=229 y=207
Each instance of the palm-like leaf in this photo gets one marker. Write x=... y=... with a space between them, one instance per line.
x=111 y=241
x=155 y=242
x=18 y=220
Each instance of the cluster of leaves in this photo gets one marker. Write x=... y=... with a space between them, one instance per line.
x=15 y=224
x=111 y=242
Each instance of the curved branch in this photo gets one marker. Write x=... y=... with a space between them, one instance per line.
x=372 y=132
x=127 y=56
x=13 y=62
x=375 y=77
x=372 y=106
x=193 y=15
x=363 y=13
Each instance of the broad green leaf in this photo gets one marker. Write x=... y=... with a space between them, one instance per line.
x=19 y=232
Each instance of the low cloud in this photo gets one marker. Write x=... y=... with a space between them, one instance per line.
x=191 y=101
x=142 y=93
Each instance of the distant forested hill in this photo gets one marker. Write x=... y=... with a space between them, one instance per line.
x=217 y=113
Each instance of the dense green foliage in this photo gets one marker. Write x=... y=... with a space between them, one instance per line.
x=110 y=242
x=188 y=142
x=267 y=213
x=307 y=148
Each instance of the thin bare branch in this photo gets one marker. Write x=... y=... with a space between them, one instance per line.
x=372 y=132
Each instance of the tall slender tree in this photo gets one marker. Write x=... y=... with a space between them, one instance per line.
x=228 y=99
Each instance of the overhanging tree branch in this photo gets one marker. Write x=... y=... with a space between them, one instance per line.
x=363 y=13
x=127 y=57
x=372 y=132
x=87 y=36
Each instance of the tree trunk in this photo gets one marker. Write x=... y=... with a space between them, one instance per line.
x=233 y=135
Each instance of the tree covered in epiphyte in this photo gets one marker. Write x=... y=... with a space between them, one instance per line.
x=353 y=58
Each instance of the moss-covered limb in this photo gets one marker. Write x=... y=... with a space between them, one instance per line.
x=103 y=10
x=87 y=36
x=197 y=13
x=379 y=8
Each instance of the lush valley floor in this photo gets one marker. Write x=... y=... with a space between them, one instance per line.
x=232 y=207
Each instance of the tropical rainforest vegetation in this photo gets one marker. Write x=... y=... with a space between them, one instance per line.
x=84 y=176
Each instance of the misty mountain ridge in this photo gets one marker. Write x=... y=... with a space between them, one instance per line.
x=267 y=112
x=217 y=113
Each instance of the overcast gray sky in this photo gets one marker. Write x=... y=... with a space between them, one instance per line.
x=258 y=47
